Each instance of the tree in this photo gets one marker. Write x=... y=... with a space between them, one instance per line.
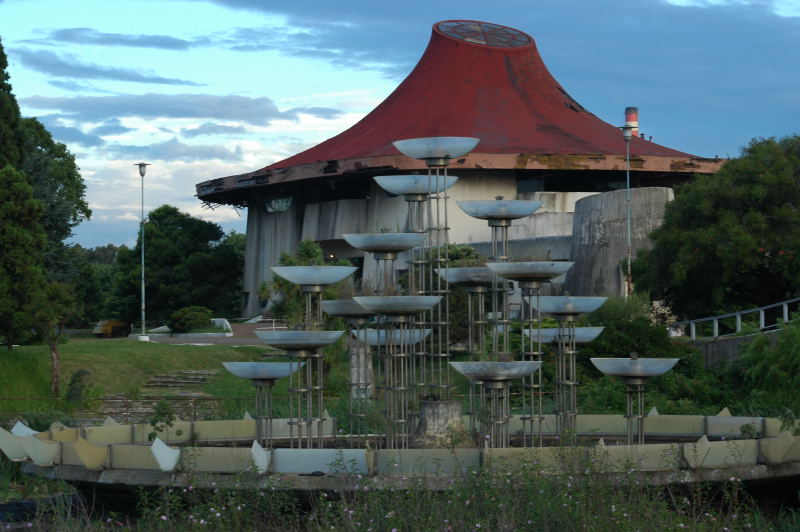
x=56 y=182
x=188 y=262
x=9 y=117
x=56 y=307
x=730 y=240
x=51 y=171
x=22 y=241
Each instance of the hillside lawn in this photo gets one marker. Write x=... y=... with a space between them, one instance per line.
x=116 y=366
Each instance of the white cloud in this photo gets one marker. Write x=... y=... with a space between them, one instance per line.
x=127 y=216
x=783 y=8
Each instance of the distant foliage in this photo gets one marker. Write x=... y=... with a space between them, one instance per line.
x=730 y=240
x=188 y=318
x=188 y=261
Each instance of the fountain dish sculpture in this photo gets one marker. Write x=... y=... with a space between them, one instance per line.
x=634 y=372
x=566 y=310
x=263 y=376
x=530 y=276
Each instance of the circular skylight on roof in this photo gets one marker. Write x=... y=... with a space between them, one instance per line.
x=483 y=33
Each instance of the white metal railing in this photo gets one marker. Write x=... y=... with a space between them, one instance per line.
x=678 y=328
x=274 y=323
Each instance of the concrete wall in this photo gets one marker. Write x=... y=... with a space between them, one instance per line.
x=599 y=243
x=728 y=349
x=598 y=226
x=332 y=219
x=268 y=235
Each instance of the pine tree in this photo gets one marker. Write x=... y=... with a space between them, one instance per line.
x=22 y=241
x=9 y=118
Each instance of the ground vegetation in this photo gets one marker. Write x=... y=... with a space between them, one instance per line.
x=730 y=240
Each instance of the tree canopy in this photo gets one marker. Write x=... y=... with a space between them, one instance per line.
x=49 y=172
x=730 y=240
x=188 y=262
x=9 y=117
x=56 y=180
x=22 y=241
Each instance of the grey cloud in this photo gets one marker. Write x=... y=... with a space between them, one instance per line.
x=210 y=128
x=70 y=67
x=74 y=86
x=256 y=111
x=111 y=127
x=94 y=37
x=174 y=150
x=329 y=42
x=73 y=135
x=69 y=134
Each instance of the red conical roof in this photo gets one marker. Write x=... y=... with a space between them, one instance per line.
x=482 y=80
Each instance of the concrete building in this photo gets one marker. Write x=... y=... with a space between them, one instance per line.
x=475 y=79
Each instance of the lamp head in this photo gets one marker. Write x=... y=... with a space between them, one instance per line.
x=627 y=132
x=142 y=168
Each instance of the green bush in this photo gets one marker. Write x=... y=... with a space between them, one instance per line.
x=688 y=388
x=188 y=318
x=771 y=369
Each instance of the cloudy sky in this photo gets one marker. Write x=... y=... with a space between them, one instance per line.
x=209 y=88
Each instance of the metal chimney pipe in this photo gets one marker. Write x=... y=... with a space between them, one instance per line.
x=632 y=119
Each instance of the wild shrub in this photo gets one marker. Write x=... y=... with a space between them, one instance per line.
x=188 y=318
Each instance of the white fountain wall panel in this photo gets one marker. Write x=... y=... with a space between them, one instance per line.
x=69 y=456
x=217 y=459
x=225 y=429
x=650 y=457
x=426 y=461
x=133 y=457
x=514 y=458
x=64 y=435
x=108 y=435
x=727 y=453
x=41 y=452
x=180 y=431
x=11 y=446
x=733 y=425
x=601 y=424
x=307 y=461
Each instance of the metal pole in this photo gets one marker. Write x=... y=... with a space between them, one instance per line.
x=142 y=170
x=628 y=278
x=141 y=232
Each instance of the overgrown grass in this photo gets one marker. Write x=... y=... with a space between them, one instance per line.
x=116 y=366
x=496 y=498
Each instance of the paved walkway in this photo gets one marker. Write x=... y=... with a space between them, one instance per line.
x=243 y=334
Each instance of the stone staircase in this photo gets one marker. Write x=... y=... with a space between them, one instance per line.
x=182 y=390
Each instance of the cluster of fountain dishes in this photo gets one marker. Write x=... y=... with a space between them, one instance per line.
x=411 y=340
x=403 y=417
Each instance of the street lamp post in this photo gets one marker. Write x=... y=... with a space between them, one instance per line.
x=142 y=171
x=627 y=134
